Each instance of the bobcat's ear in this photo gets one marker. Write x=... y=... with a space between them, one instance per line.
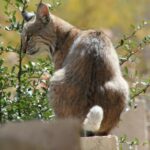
x=27 y=16
x=43 y=13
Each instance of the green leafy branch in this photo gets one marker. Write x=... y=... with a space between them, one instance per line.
x=138 y=90
x=131 y=52
x=132 y=34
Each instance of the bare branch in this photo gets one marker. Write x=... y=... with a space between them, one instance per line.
x=20 y=66
x=128 y=56
x=125 y=39
x=143 y=90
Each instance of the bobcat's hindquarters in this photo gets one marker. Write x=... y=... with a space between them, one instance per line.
x=90 y=76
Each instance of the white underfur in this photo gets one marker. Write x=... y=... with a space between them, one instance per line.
x=58 y=75
x=93 y=119
x=119 y=84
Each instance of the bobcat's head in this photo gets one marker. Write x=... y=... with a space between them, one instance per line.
x=38 y=33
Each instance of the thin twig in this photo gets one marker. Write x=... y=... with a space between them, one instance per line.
x=128 y=56
x=125 y=39
x=131 y=53
x=141 y=91
x=1 y=114
x=20 y=66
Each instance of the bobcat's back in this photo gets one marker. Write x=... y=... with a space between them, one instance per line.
x=90 y=76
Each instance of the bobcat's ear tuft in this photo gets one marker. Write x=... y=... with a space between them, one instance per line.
x=43 y=13
x=27 y=16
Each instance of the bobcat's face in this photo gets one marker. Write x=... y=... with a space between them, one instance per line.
x=38 y=34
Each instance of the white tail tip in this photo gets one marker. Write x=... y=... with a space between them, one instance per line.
x=93 y=119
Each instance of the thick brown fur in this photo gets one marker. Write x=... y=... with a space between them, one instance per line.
x=87 y=68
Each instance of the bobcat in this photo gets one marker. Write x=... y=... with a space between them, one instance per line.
x=88 y=83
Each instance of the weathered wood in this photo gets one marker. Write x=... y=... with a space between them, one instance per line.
x=133 y=124
x=100 y=143
x=36 y=135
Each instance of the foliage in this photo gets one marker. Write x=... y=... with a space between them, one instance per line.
x=27 y=100
x=116 y=15
x=132 y=143
x=131 y=46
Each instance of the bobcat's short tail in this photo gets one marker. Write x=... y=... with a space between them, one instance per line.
x=93 y=119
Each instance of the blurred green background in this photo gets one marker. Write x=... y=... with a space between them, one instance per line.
x=115 y=17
